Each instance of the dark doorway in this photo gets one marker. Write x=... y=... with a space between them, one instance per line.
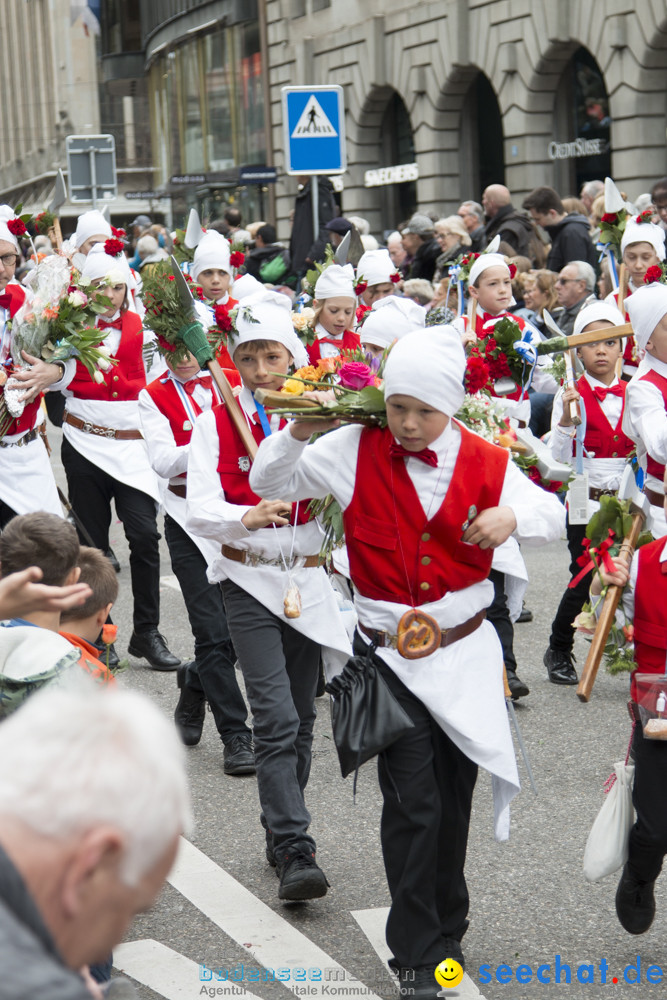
x=398 y=201
x=482 y=146
x=581 y=150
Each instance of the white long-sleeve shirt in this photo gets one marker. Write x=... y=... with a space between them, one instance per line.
x=645 y=421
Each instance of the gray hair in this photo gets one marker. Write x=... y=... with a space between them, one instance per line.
x=593 y=188
x=82 y=756
x=584 y=273
x=474 y=208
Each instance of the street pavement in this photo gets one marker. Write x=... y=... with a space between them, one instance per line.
x=218 y=926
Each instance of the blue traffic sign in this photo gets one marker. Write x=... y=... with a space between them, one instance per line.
x=314 y=130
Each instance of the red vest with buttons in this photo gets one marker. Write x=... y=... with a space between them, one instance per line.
x=484 y=333
x=125 y=380
x=601 y=438
x=28 y=418
x=653 y=467
x=650 y=624
x=395 y=554
x=234 y=464
x=349 y=342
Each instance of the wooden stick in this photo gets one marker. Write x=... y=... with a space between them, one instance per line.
x=574 y=407
x=282 y=400
x=622 y=288
x=607 y=615
x=233 y=408
x=508 y=693
x=472 y=315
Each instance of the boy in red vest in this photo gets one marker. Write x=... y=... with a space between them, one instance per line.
x=644 y=602
x=280 y=606
x=168 y=409
x=420 y=528
x=645 y=419
x=604 y=451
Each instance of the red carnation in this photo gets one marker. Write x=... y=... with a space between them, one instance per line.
x=172 y=278
x=237 y=258
x=645 y=216
x=222 y=319
x=120 y=234
x=395 y=277
x=113 y=248
x=476 y=373
x=490 y=345
x=466 y=260
x=475 y=256
x=654 y=273
x=187 y=277
x=360 y=287
x=17 y=227
x=512 y=268
x=610 y=217
x=165 y=345
x=200 y=291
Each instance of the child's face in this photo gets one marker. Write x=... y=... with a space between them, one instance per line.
x=92 y=241
x=337 y=314
x=373 y=349
x=256 y=363
x=375 y=292
x=599 y=359
x=214 y=282
x=185 y=369
x=493 y=290
x=414 y=423
x=638 y=257
x=117 y=295
x=657 y=342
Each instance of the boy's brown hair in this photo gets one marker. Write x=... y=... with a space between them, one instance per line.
x=99 y=574
x=40 y=539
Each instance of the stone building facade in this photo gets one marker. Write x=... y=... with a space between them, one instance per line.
x=524 y=92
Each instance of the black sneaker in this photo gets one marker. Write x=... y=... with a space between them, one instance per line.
x=560 y=666
x=191 y=709
x=635 y=903
x=300 y=876
x=419 y=983
x=518 y=689
x=151 y=646
x=239 y=755
x=525 y=616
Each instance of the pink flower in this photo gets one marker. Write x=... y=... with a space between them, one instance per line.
x=355 y=375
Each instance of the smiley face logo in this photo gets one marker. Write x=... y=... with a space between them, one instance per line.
x=449 y=973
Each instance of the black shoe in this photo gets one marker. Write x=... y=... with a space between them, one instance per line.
x=560 y=667
x=239 y=755
x=151 y=646
x=635 y=903
x=101 y=648
x=111 y=556
x=191 y=709
x=300 y=876
x=525 y=616
x=420 y=983
x=518 y=690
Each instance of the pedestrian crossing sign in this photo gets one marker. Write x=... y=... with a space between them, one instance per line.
x=314 y=130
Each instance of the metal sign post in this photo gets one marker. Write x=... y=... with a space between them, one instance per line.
x=91 y=168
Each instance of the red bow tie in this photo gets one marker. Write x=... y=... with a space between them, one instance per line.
x=5 y=300
x=205 y=381
x=601 y=394
x=110 y=324
x=426 y=455
x=330 y=340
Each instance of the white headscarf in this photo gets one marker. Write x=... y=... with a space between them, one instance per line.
x=646 y=307
x=90 y=224
x=212 y=252
x=429 y=365
x=335 y=282
x=246 y=285
x=390 y=319
x=7 y=213
x=595 y=312
x=644 y=232
x=375 y=267
x=484 y=261
x=267 y=316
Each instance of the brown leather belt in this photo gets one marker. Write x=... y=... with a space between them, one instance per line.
x=654 y=498
x=449 y=635
x=594 y=493
x=253 y=559
x=107 y=432
x=178 y=489
x=26 y=439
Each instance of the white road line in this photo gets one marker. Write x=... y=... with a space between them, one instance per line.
x=373 y=922
x=265 y=935
x=164 y=971
x=171 y=581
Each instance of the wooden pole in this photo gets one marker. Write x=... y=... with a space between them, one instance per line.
x=622 y=288
x=574 y=407
x=233 y=408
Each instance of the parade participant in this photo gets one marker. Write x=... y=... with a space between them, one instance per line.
x=604 y=451
x=268 y=555
x=91 y=228
x=334 y=304
x=379 y=277
x=211 y=269
x=420 y=531
x=26 y=477
x=645 y=417
x=644 y=604
x=105 y=456
x=168 y=409
x=642 y=246
x=389 y=319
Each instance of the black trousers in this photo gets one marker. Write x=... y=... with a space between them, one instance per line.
x=499 y=616
x=213 y=670
x=427 y=785
x=573 y=600
x=648 y=837
x=91 y=491
x=6 y=514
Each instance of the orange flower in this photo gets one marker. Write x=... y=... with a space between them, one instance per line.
x=109 y=634
x=50 y=313
x=308 y=372
x=328 y=365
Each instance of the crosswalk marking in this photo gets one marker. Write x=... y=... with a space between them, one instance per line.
x=164 y=970
x=171 y=581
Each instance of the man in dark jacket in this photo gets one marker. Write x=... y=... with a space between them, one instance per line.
x=503 y=219
x=304 y=249
x=269 y=261
x=570 y=234
x=421 y=244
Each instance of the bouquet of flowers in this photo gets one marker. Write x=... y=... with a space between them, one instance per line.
x=304 y=324
x=612 y=227
x=165 y=312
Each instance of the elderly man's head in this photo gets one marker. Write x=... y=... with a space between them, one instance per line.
x=495 y=196
x=471 y=214
x=575 y=282
x=396 y=248
x=91 y=811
